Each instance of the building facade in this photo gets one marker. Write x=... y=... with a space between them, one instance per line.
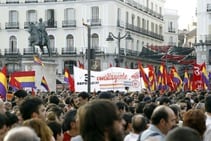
x=143 y=19
x=203 y=42
x=171 y=27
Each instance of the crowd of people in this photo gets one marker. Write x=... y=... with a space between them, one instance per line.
x=106 y=116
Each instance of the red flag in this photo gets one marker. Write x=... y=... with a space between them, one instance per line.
x=197 y=83
x=15 y=83
x=70 y=80
x=81 y=65
x=152 y=78
x=4 y=70
x=144 y=75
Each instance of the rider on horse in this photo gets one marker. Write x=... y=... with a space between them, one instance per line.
x=39 y=36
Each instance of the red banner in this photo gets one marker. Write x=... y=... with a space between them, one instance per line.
x=197 y=83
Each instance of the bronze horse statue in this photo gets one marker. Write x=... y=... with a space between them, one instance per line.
x=39 y=37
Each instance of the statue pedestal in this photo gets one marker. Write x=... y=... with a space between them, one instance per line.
x=48 y=71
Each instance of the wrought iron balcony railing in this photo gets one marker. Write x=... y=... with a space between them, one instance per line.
x=26 y=24
x=51 y=24
x=95 y=22
x=12 y=25
x=30 y=51
x=11 y=52
x=68 y=51
x=31 y=1
x=69 y=23
x=12 y=1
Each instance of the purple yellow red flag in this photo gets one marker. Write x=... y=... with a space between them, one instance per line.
x=26 y=78
x=3 y=84
x=68 y=78
x=38 y=61
x=45 y=84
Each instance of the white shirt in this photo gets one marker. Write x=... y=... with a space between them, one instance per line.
x=131 y=137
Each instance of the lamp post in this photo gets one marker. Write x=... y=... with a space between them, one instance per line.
x=111 y=37
x=88 y=57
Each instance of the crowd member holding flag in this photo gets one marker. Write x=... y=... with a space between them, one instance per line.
x=3 y=83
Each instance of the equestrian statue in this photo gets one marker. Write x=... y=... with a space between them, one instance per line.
x=39 y=36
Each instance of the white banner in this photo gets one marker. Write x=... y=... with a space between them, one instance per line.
x=113 y=78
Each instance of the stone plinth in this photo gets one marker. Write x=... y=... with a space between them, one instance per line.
x=48 y=71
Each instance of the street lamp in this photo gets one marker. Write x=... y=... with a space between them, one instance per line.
x=111 y=37
x=88 y=57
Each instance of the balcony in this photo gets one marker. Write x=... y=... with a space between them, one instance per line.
x=12 y=25
x=26 y=24
x=69 y=51
x=99 y=51
x=208 y=39
x=69 y=0
x=30 y=51
x=143 y=8
x=51 y=24
x=208 y=7
x=11 y=52
x=95 y=22
x=54 y=51
x=12 y=1
x=172 y=30
x=31 y=1
x=69 y=23
x=130 y=52
x=139 y=30
x=50 y=0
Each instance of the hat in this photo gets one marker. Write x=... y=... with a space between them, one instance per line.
x=20 y=93
x=84 y=95
x=106 y=95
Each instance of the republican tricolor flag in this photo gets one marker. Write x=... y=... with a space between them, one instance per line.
x=38 y=61
x=69 y=79
x=3 y=83
x=26 y=78
x=45 y=84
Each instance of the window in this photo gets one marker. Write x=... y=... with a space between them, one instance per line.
x=156 y=28
x=147 y=3
x=170 y=26
x=13 y=16
x=160 y=10
x=50 y=17
x=152 y=27
x=95 y=12
x=160 y=29
x=52 y=41
x=152 y=6
x=126 y=17
x=69 y=14
x=118 y=14
x=70 y=41
x=138 y=22
x=143 y=23
x=147 y=25
x=31 y=16
x=95 y=41
x=133 y=19
x=13 y=44
x=137 y=46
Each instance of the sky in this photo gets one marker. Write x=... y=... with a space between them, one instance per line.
x=186 y=11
